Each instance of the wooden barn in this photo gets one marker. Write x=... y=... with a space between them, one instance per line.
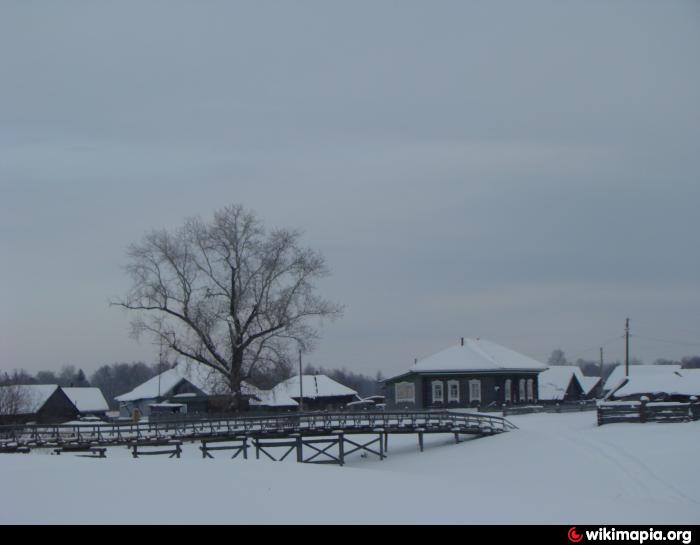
x=677 y=386
x=475 y=373
x=43 y=404
x=561 y=384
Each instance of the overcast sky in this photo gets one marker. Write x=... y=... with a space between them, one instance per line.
x=525 y=172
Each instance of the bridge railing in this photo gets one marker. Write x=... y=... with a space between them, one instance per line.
x=318 y=422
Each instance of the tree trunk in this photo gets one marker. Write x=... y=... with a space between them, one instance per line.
x=236 y=403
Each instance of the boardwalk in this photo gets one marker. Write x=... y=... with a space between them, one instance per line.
x=319 y=432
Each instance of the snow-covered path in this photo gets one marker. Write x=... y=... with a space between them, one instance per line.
x=555 y=469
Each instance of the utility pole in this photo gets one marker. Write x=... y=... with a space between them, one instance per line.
x=301 y=386
x=601 y=362
x=627 y=348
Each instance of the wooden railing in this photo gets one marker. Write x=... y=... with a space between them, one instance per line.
x=280 y=424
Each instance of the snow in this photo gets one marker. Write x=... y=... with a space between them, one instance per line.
x=87 y=400
x=556 y=469
x=34 y=396
x=554 y=382
x=477 y=355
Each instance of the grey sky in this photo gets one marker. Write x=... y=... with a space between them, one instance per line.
x=525 y=172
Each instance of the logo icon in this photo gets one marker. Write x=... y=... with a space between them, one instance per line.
x=574 y=536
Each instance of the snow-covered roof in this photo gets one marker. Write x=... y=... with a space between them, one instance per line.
x=589 y=383
x=638 y=371
x=682 y=382
x=313 y=386
x=87 y=399
x=168 y=380
x=271 y=398
x=477 y=355
x=33 y=396
x=554 y=382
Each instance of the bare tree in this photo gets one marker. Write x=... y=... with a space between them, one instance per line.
x=15 y=399
x=227 y=294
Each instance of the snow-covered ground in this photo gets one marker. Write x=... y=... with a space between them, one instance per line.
x=557 y=468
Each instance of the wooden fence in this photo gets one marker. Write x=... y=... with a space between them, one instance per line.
x=642 y=411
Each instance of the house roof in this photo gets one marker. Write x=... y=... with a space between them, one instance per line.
x=87 y=399
x=477 y=355
x=168 y=380
x=618 y=374
x=554 y=382
x=682 y=382
x=313 y=386
x=34 y=396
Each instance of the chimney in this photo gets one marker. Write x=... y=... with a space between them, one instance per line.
x=462 y=341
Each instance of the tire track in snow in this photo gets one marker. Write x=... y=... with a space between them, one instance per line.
x=649 y=471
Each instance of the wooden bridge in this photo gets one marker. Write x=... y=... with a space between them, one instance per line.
x=329 y=436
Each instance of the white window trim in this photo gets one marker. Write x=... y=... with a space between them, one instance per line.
x=530 y=390
x=441 y=398
x=508 y=391
x=521 y=390
x=474 y=382
x=404 y=387
x=450 y=397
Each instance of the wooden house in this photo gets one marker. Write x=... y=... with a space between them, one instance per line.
x=475 y=373
x=561 y=384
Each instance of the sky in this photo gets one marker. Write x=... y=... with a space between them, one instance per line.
x=525 y=172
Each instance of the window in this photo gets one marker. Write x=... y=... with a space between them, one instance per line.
x=453 y=391
x=475 y=390
x=521 y=390
x=507 y=394
x=438 y=394
x=530 y=390
x=405 y=392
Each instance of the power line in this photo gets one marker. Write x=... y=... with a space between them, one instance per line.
x=685 y=343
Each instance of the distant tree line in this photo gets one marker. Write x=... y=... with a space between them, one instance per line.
x=119 y=378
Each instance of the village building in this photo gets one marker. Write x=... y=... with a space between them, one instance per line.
x=42 y=404
x=318 y=392
x=616 y=378
x=475 y=373
x=561 y=384
x=183 y=385
x=88 y=401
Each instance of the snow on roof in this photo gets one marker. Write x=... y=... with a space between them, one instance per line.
x=618 y=373
x=313 y=386
x=166 y=381
x=678 y=383
x=87 y=399
x=33 y=396
x=270 y=398
x=554 y=382
x=477 y=355
x=589 y=383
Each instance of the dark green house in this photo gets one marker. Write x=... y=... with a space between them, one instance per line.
x=475 y=373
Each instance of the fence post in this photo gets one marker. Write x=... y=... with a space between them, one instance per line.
x=643 y=409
